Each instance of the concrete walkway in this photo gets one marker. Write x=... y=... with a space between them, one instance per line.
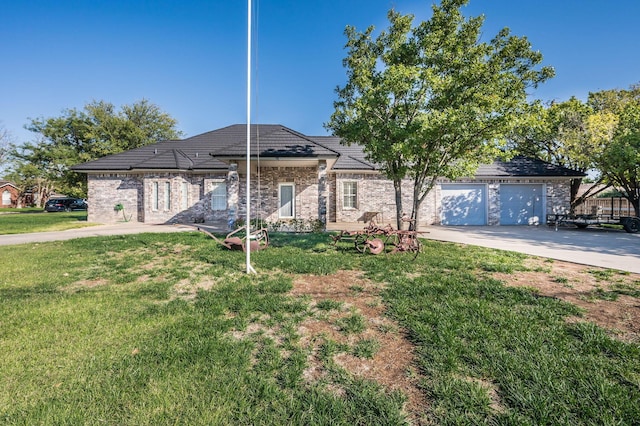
x=596 y=247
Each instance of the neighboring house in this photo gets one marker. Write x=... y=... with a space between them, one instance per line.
x=304 y=178
x=9 y=194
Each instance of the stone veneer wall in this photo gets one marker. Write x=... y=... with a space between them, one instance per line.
x=264 y=192
x=375 y=195
x=108 y=189
x=135 y=192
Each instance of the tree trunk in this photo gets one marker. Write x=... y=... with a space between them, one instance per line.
x=575 y=187
x=397 y=186
x=415 y=216
x=636 y=205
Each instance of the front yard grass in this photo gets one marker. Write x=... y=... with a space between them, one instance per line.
x=166 y=329
x=29 y=220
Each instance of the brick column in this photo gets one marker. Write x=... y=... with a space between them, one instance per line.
x=233 y=189
x=323 y=193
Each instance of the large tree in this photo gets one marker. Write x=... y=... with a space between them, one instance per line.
x=78 y=136
x=561 y=134
x=431 y=101
x=619 y=163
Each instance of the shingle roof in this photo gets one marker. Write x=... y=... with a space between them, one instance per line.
x=166 y=155
x=213 y=150
x=270 y=140
x=524 y=166
x=352 y=157
x=6 y=182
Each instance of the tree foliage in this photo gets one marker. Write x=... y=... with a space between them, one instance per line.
x=78 y=136
x=431 y=101
x=618 y=117
x=561 y=134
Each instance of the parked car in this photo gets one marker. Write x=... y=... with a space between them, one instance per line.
x=65 y=204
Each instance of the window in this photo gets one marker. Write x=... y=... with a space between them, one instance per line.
x=6 y=198
x=287 y=200
x=219 y=196
x=167 y=195
x=185 y=195
x=155 y=196
x=350 y=195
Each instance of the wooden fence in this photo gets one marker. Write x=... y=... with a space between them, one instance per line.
x=614 y=207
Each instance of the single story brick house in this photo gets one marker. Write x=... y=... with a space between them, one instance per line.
x=9 y=193
x=304 y=178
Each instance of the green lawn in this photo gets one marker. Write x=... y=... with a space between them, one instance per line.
x=24 y=221
x=156 y=329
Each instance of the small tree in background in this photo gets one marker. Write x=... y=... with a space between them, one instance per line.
x=79 y=136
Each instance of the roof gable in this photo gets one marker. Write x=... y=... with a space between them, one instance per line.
x=4 y=183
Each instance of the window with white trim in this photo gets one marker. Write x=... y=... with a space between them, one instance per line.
x=287 y=200
x=167 y=195
x=350 y=195
x=6 y=198
x=185 y=195
x=219 y=196
x=155 y=196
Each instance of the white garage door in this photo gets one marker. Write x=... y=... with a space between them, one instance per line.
x=464 y=204
x=521 y=204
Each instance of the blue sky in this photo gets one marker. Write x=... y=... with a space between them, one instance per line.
x=189 y=56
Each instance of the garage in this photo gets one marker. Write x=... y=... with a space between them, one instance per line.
x=464 y=204
x=521 y=204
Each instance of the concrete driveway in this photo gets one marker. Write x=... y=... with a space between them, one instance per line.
x=90 y=231
x=596 y=247
x=592 y=246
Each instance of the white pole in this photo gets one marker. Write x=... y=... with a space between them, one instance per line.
x=248 y=197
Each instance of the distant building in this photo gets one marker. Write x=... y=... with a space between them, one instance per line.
x=9 y=194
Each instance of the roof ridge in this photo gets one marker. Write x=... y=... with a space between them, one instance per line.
x=184 y=155
x=373 y=167
x=309 y=138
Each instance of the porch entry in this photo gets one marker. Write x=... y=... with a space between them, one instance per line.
x=287 y=201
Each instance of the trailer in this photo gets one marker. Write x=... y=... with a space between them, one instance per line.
x=631 y=224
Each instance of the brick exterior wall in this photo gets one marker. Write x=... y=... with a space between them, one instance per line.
x=182 y=197
x=265 y=192
x=162 y=197
x=376 y=198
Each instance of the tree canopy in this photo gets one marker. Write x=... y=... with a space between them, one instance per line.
x=559 y=133
x=600 y=135
x=78 y=136
x=432 y=101
x=617 y=122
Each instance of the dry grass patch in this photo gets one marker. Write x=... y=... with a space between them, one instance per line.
x=586 y=287
x=188 y=288
x=392 y=364
x=84 y=284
